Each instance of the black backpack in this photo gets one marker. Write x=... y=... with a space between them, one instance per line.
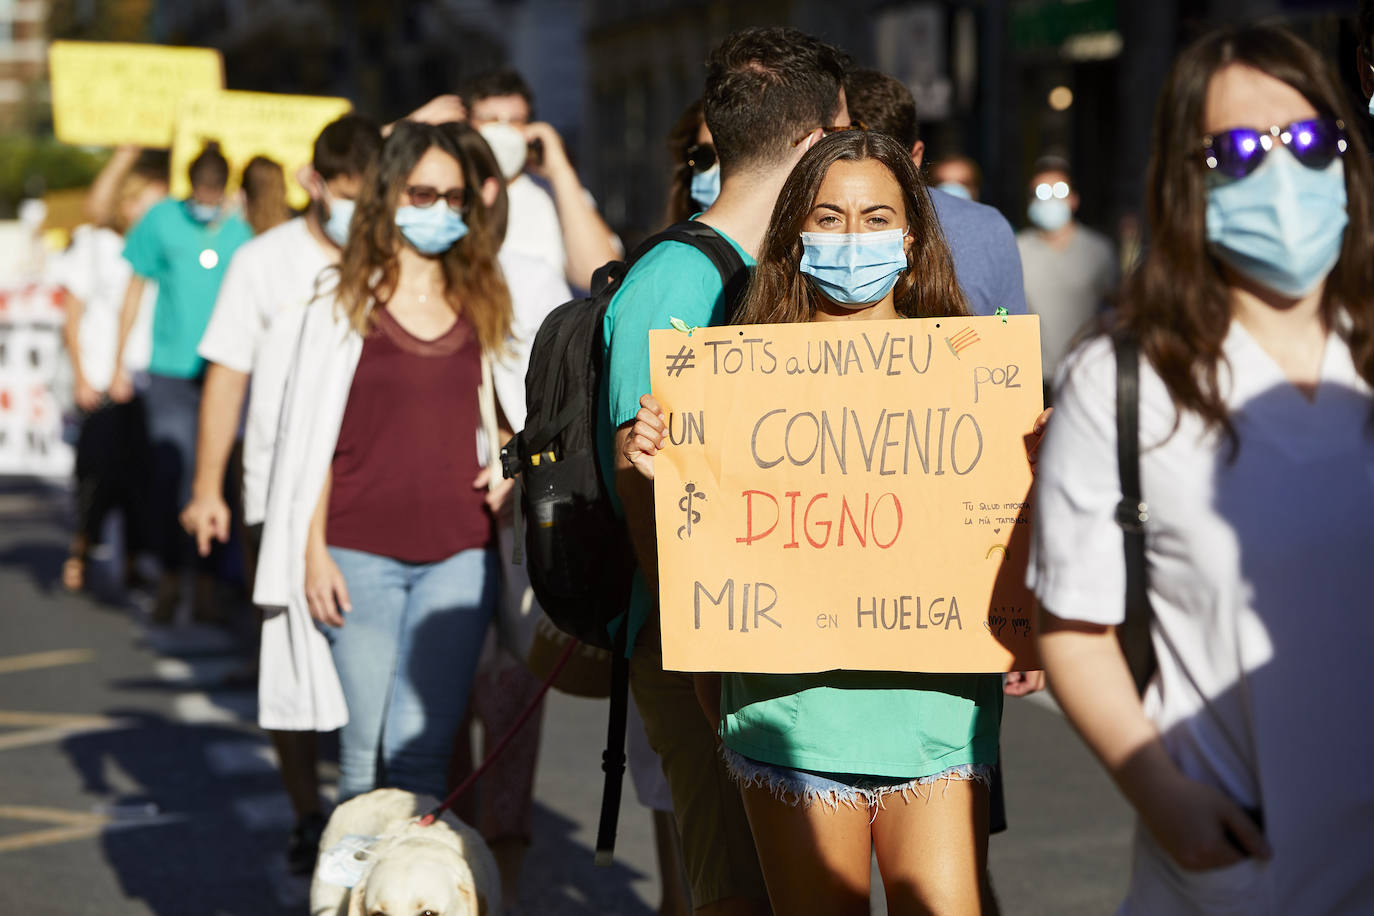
x=579 y=558
x=577 y=550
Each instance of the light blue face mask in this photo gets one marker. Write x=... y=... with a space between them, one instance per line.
x=340 y=215
x=431 y=230
x=955 y=189
x=1049 y=215
x=706 y=186
x=854 y=269
x=1282 y=225
x=202 y=213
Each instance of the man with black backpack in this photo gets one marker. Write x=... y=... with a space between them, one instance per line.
x=770 y=95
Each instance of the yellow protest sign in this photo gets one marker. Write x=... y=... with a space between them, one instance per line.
x=247 y=124
x=110 y=93
x=846 y=495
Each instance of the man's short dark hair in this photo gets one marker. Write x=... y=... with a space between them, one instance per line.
x=496 y=83
x=209 y=169
x=765 y=89
x=1053 y=163
x=346 y=147
x=883 y=104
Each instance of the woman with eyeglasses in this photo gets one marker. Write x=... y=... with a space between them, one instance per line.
x=1253 y=314
x=380 y=514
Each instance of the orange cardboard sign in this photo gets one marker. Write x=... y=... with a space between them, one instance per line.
x=847 y=495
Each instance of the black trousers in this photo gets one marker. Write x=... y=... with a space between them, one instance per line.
x=112 y=467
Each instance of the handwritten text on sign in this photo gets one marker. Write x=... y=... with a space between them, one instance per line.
x=846 y=495
x=109 y=93
x=247 y=124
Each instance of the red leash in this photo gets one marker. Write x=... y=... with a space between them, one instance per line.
x=501 y=746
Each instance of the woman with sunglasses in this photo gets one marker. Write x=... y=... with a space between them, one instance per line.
x=380 y=517
x=1253 y=314
x=696 y=173
x=839 y=766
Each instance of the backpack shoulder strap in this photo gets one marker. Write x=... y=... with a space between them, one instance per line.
x=613 y=758
x=734 y=273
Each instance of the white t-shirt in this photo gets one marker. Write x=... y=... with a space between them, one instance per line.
x=93 y=270
x=532 y=227
x=1261 y=578
x=535 y=290
x=284 y=266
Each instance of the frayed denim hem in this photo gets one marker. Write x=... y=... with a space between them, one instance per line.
x=804 y=788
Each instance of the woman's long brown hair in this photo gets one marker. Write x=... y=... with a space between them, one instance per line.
x=264 y=192
x=779 y=293
x=1177 y=303
x=368 y=269
x=680 y=139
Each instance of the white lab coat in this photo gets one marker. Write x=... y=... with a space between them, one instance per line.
x=298 y=688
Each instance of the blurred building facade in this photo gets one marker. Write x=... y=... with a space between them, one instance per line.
x=1003 y=81
x=23 y=60
x=388 y=58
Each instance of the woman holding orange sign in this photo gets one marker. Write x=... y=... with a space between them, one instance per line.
x=853 y=238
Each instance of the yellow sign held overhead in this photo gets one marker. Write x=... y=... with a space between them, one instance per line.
x=247 y=124
x=111 y=93
x=846 y=495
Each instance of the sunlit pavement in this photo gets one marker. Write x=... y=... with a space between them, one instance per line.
x=135 y=782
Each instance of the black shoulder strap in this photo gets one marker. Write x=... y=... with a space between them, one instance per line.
x=1132 y=513
x=734 y=273
x=613 y=758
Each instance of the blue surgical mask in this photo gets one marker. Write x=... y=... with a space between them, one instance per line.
x=955 y=189
x=431 y=230
x=340 y=215
x=1282 y=225
x=202 y=213
x=706 y=186
x=1049 y=215
x=854 y=269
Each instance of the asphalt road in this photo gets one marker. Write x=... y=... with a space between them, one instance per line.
x=133 y=781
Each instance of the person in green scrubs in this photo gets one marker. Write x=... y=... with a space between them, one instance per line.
x=836 y=766
x=184 y=247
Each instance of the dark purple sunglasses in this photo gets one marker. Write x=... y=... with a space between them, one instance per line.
x=1236 y=153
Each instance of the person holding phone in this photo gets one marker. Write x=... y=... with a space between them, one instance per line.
x=1253 y=314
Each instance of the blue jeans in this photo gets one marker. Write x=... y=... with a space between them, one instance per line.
x=406 y=656
x=173 y=411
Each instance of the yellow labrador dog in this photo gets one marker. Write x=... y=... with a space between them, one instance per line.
x=402 y=868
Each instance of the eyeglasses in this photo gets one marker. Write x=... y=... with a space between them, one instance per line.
x=423 y=195
x=1236 y=153
x=699 y=157
x=857 y=125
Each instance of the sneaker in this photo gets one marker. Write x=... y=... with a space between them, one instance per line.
x=304 y=846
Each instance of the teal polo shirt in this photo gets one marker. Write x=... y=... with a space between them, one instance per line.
x=187 y=260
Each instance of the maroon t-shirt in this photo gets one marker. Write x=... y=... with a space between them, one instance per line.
x=407 y=451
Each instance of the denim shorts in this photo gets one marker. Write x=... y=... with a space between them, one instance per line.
x=803 y=788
